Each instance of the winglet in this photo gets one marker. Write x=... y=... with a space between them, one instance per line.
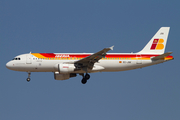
x=111 y=47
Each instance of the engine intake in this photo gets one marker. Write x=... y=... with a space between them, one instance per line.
x=66 y=68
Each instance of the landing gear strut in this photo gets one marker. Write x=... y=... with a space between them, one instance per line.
x=28 y=79
x=85 y=78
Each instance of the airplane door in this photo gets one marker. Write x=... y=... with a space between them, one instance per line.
x=28 y=59
x=138 y=59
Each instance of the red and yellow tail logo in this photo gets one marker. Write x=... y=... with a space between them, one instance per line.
x=157 y=44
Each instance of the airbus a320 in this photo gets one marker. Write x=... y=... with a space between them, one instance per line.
x=68 y=65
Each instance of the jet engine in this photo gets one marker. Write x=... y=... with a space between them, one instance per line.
x=65 y=68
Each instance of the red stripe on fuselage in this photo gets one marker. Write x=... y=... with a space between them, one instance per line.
x=52 y=55
x=48 y=55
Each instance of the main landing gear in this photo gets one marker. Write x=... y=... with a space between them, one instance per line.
x=28 y=79
x=85 y=78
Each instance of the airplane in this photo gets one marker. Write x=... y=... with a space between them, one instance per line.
x=68 y=65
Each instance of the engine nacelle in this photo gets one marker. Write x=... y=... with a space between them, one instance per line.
x=58 y=76
x=65 y=68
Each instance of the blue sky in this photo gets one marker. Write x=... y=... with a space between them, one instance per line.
x=89 y=26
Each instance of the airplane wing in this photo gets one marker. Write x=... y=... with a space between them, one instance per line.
x=161 y=56
x=88 y=62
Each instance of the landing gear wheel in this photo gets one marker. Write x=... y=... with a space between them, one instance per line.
x=29 y=75
x=28 y=79
x=87 y=76
x=83 y=81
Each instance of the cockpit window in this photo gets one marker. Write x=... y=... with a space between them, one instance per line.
x=16 y=59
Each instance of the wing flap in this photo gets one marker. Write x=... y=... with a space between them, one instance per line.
x=88 y=62
x=96 y=56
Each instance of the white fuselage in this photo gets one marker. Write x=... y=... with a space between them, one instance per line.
x=29 y=63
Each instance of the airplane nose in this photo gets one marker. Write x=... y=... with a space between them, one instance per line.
x=8 y=65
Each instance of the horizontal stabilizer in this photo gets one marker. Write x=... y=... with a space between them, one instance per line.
x=161 y=56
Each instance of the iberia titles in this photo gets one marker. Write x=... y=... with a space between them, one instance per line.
x=62 y=55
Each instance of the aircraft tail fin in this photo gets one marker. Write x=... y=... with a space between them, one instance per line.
x=157 y=44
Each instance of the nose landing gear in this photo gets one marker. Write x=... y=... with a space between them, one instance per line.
x=28 y=79
x=85 y=78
